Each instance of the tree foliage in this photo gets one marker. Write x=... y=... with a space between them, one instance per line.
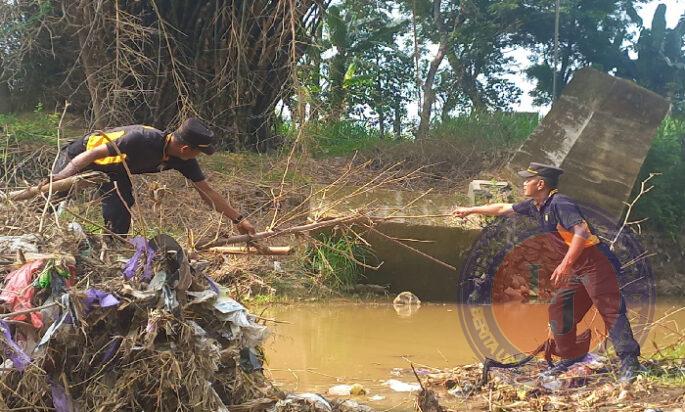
x=362 y=61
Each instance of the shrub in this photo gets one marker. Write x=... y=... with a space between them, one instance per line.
x=334 y=259
x=488 y=130
x=663 y=205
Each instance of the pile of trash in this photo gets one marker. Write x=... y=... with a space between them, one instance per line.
x=83 y=331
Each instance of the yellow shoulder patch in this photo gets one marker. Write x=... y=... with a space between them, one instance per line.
x=100 y=138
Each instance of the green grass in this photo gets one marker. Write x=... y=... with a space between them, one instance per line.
x=334 y=260
x=495 y=130
x=488 y=130
x=339 y=138
x=671 y=366
x=36 y=127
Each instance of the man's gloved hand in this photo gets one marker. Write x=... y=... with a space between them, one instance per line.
x=245 y=227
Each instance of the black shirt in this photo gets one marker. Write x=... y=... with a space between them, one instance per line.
x=141 y=147
x=557 y=215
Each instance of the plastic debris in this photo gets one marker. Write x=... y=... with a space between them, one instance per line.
x=350 y=405
x=340 y=390
x=142 y=248
x=44 y=279
x=102 y=298
x=399 y=386
x=25 y=243
x=314 y=401
x=250 y=333
x=19 y=358
x=61 y=399
x=357 y=390
x=19 y=291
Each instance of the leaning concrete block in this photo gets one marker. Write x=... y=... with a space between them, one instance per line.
x=599 y=131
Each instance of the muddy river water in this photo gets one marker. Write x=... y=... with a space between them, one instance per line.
x=333 y=343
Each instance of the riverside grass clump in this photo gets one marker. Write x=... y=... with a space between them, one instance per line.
x=336 y=259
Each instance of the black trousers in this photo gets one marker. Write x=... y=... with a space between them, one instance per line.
x=116 y=195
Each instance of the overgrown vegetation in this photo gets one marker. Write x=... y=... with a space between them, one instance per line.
x=664 y=204
x=366 y=63
x=482 y=130
x=335 y=259
x=39 y=126
x=340 y=138
x=490 y=130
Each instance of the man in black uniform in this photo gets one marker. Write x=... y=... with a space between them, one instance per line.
x=143 y=149
x=587 y=274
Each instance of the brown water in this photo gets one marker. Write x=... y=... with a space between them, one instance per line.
x=327 y=344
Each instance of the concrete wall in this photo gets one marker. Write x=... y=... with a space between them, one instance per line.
x=599 y=132
x=418 y=225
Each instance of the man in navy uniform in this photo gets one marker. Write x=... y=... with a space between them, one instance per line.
x=587 y=274
x=137 y=149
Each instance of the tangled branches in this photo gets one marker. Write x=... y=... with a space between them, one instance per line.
x=157 y=61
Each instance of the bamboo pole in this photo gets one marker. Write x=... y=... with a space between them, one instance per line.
x=58 y=186
x=252 y=250
x=291 y=230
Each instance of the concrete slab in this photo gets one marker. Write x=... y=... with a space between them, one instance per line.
x=599 y=131
x=421 y=225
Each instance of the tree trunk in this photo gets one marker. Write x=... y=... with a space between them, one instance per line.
x=380 y=102
x=88 y=59
x=316 y=78
x=338 y=69
x=470 y=85
x=157 y=62
x=428 y=91
x=447 y=108
x=5 y=103
x=397 y=123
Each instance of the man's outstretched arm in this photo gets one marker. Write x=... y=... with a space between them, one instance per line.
x=217 y=202
x=495 y=209
x=81 y=161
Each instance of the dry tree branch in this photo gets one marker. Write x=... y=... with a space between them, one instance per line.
x=626 y=220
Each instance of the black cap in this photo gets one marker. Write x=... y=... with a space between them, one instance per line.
x=195 y=134
x=539 y=169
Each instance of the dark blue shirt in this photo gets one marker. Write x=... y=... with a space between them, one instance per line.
x=558 y=214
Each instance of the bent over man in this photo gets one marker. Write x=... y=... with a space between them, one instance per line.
x=587 y=274
x=140 y=149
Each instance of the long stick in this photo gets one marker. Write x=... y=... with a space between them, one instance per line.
x=251 y=250
x=58 y=186
x=295 y=229
x=25 y=311
x=418 y=252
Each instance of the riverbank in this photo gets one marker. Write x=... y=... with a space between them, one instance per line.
x=274 y=190
x=317 y=346
x=591 y=386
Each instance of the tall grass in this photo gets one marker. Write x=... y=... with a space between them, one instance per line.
x=38 y=127
x=339 y=138
x=333 y=259
x=494 y=130
x=483 y=129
